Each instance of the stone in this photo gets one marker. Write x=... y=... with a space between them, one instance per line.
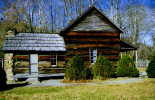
x=8 y=66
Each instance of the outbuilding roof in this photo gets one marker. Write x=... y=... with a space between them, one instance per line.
x=34 y=42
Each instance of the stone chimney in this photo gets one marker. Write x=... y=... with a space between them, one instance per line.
x=8 y=66
x=10 y=33
x=8 y=60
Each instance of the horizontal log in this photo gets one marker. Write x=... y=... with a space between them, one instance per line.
x=44 y=58
x=50 y=71
x=104 y=48
x=21 y=70
x=21 y=57
x=92 y=34
x=41 y=58
x=92 y=46
x=76 y=40
x=81 y=52
x=21 y=67
x=86 y=42
x=86 y=52
x=110 y=52
x=92 y=37
x=99 y=48
x=92 y=43
x=87 y=57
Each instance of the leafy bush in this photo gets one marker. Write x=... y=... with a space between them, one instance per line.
x=102 y=68
x=75 y=69
x=126 y=67
x=151 y=68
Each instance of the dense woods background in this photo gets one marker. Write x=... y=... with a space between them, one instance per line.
x=135 y=18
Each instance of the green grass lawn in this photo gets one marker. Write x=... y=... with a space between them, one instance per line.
x=134 y=91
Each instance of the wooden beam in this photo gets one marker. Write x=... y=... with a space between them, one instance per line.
x=33 y=68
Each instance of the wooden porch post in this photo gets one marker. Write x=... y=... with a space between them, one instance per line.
x=136 y=58
x=121 y=55
x=33 y=69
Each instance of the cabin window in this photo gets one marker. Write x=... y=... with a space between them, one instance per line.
x=93 y=55
x=53 y=60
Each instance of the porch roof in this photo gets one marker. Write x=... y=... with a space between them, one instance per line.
x=34 y=42
x=126 y=46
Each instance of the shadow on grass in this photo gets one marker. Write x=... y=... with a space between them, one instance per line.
x=3 y=81
x=52 y=77
x=15 y=85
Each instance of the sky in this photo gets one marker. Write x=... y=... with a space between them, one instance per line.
x=148 y=3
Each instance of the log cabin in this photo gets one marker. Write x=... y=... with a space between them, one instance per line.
x=42 y=55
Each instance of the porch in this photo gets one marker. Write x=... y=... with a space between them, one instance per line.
x=41 y=65
x=27 y=75
x=34 y=55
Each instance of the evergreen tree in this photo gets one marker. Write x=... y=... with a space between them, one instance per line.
x=75 y=69
x=151 y=68
x=126 y=67
x=102 y=68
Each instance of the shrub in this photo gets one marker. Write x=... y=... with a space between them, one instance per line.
x=126 y=67
x=1 y=54
x=102 y=68
x=75 y=69
x=151 y=68
x=88 y=73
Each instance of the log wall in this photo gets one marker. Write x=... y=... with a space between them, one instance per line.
x=21 y=64
x=79 y=43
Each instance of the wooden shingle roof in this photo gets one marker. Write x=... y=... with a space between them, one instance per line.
x=34 y=42
x=95 y=24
